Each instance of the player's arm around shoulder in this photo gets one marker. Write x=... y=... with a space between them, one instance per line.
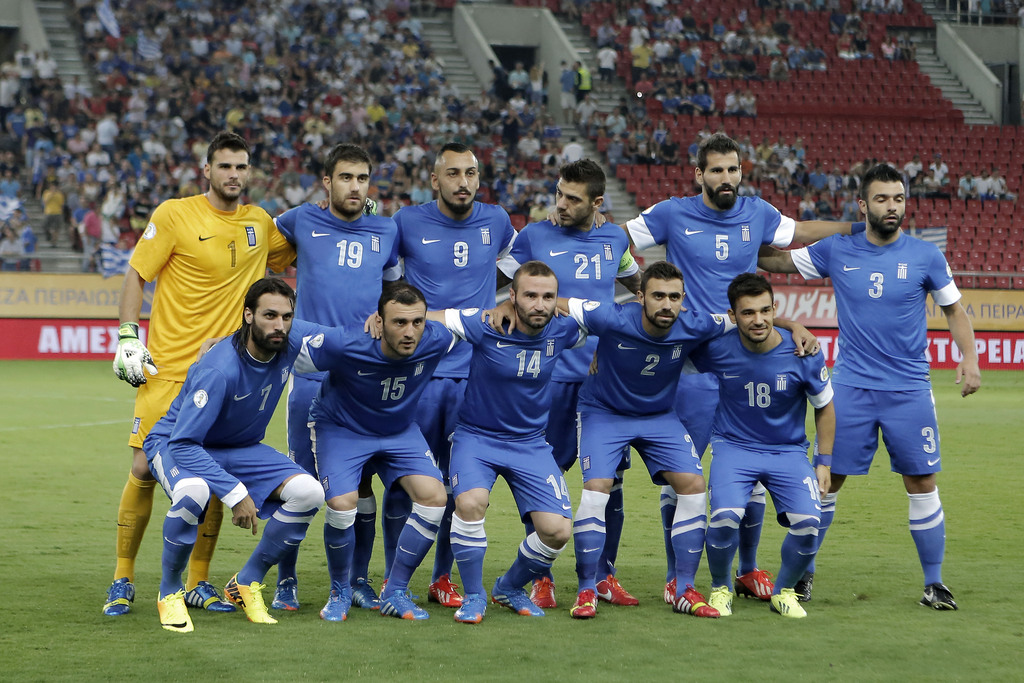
x=968 y=372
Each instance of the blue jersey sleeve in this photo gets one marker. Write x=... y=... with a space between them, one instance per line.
x=286 y=224
x=520 y=253
x=813 y=261
x=652 y=226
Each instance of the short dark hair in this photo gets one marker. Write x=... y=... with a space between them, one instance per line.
x=585 y=171
x=226 y=139
x=456 y=147
x=346 y=152
x=660 y=270
x=532 y=269
x=883 y=173
x=267 y=285
x=719 y=143
x=748 y=284
x=401 y=293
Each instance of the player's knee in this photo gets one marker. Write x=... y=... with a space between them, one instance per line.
x=140 y=465
x=686 y=484
x=191 y=490
x=471 y=506
x=339 y=519
x=344 y=502
x=303 y=492
x=801 y=525
x=725 y=518
x=555 y=534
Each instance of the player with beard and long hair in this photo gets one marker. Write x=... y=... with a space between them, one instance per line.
x=206 y=250
x=882 y=280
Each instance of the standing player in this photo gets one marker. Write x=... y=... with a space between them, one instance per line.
x=363 y=417
x=587 y=259
x=207 y=250
x=628 y=402
x=344 y=257
x=712 y=238
x=210 y=442
x=501 y=431
x=451 y=247
x=882 y=280
x=759 y=436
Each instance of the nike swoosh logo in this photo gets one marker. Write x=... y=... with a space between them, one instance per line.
x=931 y=463
x=321 y=234
x=239 y=398
x=364 y=374
x=725 y=376
x=694 y=552
x=426 y=241
x=691 y=232
x=589 y=550
x=847 y=269
x=627 y=348
x=407 y=552
x=557 y=253
x=203 y=239
x=502 y=346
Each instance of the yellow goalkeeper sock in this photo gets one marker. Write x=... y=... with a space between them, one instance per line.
x=206 y=541
x=132 y=517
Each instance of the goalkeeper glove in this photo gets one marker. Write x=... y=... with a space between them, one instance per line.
x=132 y=356
x=370 y=207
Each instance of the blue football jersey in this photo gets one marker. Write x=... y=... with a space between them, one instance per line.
x=341 y=266
x=454 y=263
x=763 y=396
x=586 y=263
x=227 y=401
x=637 y=374
x=508 y=391
x=711 y=247
x=365 y=391
x=881 y=293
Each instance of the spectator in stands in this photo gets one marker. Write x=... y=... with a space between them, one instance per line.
x=53 y=213
x=585 y=110
x=690 y=60
x=778 y=71
x=607 y=58
x=939 y=167
x=817 y=180
x=906 y=50
x=983 y=185
x=567 y=83
x=861 y=45
x=11 y=251
x=572 y=151
x=889 y=48
x=10 y=186
x=519 y=79
x=641 y=59
x=999 y=187
x=934 y=187
x=616 y=152
x=732 y=104
x=844 y=47
x=966 y=187
x=668 y=151
x=583 y=81
x=912 y=171
x=814 y=57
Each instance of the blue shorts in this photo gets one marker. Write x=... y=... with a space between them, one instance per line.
x=301 y=392
x=909 y=427
x=785 y=472
x=259 y=467
x=436 y=412
x=696 y=404
x=535 y=480
x=563 y=429
x=341 y=456
x=661 y=440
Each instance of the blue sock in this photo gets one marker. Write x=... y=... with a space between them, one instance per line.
x=828 y=513
x=667 y=501
x=469 y=544
x=928 y=528
x=413 y=544
x=181 y=525
x=443 y=557
x=589 y=537
x=533 y=560
x=531 y=530
x=365 y=531
x=397 y=505
x=286 y=567
x=339 y=542
x=689 y=526
x=722 y=538
x=750 y=530
x=613 y=519
x=798 y=550
x=302 y=496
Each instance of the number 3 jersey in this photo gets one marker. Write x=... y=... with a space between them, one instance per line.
x=204 y=261
x=881 y=293
x=763 y=396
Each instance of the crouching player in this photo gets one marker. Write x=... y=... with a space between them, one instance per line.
x=758 y=435
x=210 y=443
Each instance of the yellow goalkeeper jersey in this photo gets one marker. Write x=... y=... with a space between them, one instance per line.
x=204 y=261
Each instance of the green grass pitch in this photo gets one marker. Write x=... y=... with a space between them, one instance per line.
x=63 y=460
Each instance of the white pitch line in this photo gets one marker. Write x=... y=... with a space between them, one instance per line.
x=63 y=426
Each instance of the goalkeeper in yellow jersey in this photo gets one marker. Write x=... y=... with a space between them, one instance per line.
x=204 y=251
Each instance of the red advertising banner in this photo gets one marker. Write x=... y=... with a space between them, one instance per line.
x=996 y=350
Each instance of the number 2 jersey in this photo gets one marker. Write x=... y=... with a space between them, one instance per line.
x=881 y=293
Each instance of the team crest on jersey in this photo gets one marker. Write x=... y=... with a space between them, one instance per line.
x=781 y=382
x=455 y=480
x=585 y=463
x=284 y=373
x=901 y=271
x=718 y=318
x=174 y=471
x=550 y=351
x=325 y=482
x=374 y=243
x=591 y=305
x=470 y=311
x=250 y=235
x=677 y=351
x=485 y=235
x=317 y=341
x=745 y=233
x=200 y=398
x=824 y=374
x=136 y=424
x=150 y=232
x=607 y=252
x=418 y=371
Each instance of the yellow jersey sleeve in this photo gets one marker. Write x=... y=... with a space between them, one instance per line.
x=204 y=261
x=282 y=252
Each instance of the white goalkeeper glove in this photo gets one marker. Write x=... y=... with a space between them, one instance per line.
x=132 y=356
